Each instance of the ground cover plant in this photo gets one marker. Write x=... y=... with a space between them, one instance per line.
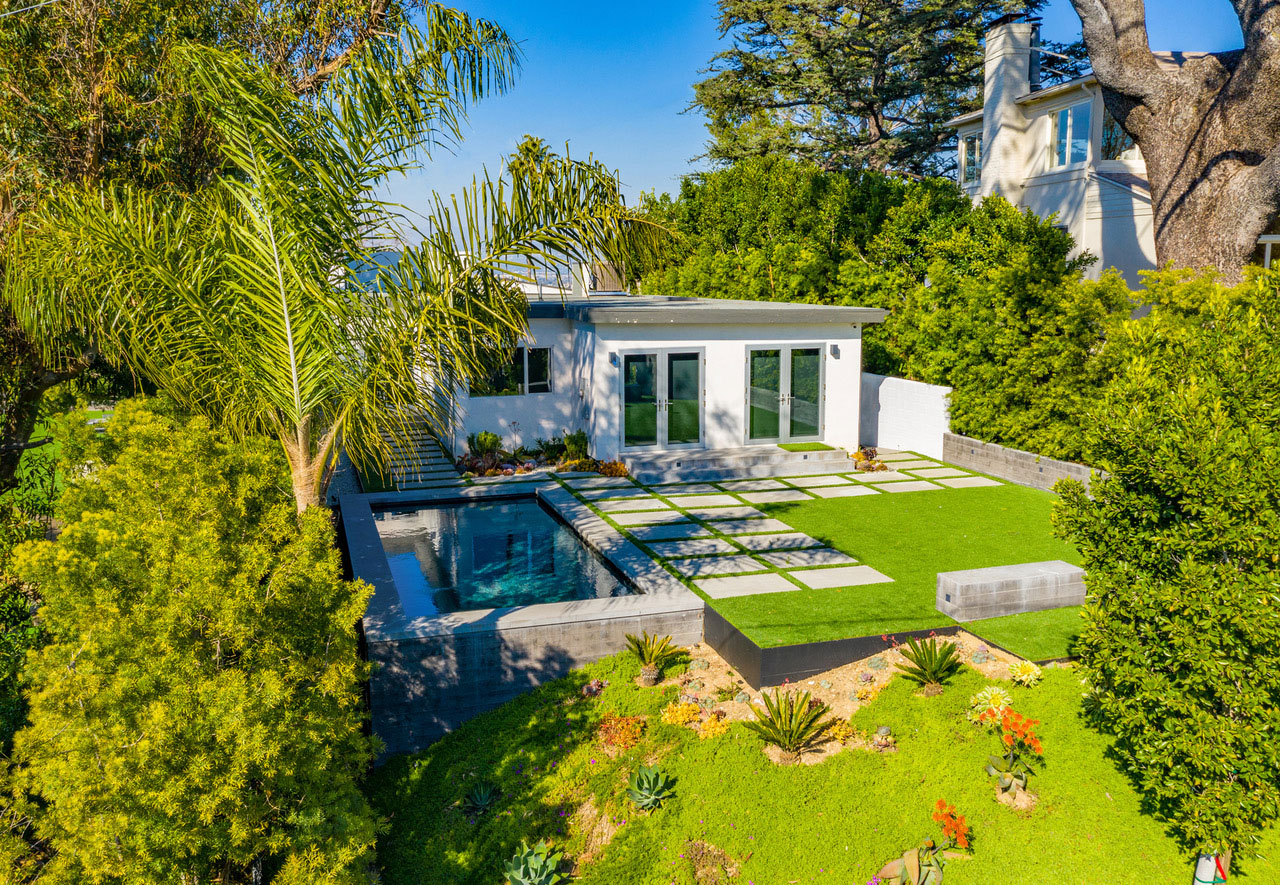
x=841 y=820
x=910 y=538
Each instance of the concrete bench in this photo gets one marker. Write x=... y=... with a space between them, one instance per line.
x=1009 y=589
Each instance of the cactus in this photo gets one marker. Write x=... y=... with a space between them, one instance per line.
x=649 y=787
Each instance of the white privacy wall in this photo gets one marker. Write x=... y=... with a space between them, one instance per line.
x=519 y=420
x=725 y=345
x=902 y=414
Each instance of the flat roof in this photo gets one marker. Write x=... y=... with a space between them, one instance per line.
x=613 y=308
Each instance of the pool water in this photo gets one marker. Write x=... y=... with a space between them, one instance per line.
x=496 y=554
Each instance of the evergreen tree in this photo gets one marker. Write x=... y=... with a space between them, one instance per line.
x=847 y=85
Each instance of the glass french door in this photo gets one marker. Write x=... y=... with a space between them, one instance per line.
x=662 y=399
x=784 y=394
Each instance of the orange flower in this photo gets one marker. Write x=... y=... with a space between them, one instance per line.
x=941 y=806
x=1008 y=740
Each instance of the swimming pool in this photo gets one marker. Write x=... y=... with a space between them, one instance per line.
x=492 y=554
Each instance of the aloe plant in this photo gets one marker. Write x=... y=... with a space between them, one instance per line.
x=649 y=787
x=480 y=798
x=789 y=722
x=654 y=653
x=539 y=865
x=930 y=663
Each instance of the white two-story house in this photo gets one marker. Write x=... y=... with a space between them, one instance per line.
x=1056 y=151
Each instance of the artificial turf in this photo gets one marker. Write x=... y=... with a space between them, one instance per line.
x=911 y=537
x=1037 y=636
x=837 y=821
x=806 y=447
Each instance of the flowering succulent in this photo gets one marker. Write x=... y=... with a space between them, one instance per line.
x=714 y=726
x=621 y=732
x=841 y=731
x=954 y=829
x=1021 y=747
x=993 y=699
x=1025 y=673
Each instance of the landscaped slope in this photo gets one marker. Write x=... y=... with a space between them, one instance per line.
x=910 y=537
x=837 y=822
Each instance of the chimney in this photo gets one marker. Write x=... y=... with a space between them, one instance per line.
x=1011 y=70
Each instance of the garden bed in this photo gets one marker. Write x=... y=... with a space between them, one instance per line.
x=838 y=821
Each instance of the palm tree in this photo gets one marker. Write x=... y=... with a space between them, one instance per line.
x=238 y=301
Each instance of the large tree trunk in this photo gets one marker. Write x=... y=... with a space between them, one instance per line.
x=1208 y=127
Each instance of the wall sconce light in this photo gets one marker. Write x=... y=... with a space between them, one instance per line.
x=835 y=351
x=613 y=359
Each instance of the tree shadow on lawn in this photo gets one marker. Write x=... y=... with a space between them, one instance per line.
x=520 y=748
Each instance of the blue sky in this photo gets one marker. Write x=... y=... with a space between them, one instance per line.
x=613 y=79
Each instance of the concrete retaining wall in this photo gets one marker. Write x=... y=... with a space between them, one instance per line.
x=1015 y=465
x=1009 y=589
x=902 y=414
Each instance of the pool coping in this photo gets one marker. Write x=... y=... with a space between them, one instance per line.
x=658 y=592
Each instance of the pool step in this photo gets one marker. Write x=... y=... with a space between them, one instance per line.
x=747 y=462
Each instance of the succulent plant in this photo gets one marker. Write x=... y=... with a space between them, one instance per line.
x=993 y=698
x=1025 y=673
x=539 y=865
x=480 y=798
x=789 y=722
x=930 y=663
x=649 y=787
x=654 y=653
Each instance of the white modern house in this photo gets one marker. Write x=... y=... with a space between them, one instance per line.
x=654 y=377
x=1056 y=151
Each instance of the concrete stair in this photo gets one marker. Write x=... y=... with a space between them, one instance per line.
x=419 y=462
x=747 y=462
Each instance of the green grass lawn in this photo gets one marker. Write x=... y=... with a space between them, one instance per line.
x=806 y=447
x=911 y=537
x=836 y=822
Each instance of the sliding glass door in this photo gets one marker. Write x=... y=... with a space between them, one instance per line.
x=784 y=394
x=662 y=399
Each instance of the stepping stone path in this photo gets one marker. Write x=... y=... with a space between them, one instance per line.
x=705 y=531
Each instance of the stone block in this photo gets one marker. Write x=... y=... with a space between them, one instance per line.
x=973 y=594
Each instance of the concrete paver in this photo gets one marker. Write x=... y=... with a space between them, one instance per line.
x=844 y=576
x=744 y=585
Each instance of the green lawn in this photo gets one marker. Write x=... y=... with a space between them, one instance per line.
x=911 y=537
x=806 y=447
x=836 y=822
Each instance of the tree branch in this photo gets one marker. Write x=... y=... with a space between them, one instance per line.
x=1115 y=32
x=317 y=78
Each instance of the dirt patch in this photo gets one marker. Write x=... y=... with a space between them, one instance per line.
x=597 y=828
x=711 y=865
x=844 y=689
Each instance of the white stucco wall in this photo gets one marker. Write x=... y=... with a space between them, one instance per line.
x=725 y=377
x=902 y=414
x=521 y=419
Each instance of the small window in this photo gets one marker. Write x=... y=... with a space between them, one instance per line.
x=971 y=158
x=529 y=371
x=1071 y=134
x=1116 y=143
x=539 y=370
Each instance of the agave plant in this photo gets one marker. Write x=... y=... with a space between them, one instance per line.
x=480 y=798
x=931 y=663
x=790 y=723
x=654 y=653
x=649 y=787
x=539 y=865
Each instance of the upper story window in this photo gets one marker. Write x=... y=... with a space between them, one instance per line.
x=528 y=372
x=1116 y=143
x=1071 y=128
x=970 y=158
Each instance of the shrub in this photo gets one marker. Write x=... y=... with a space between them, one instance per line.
x=549 y=449
x=841 y=731
x=229 y=655
x=1021 y=747
x=576 y=445
x=581 y=465
x=480 y=798
x=992 y=699
x=621 y=732
x=1181 y=543
x=789 y=722
x=612 y=468
x=649 y=787
x=677 y=713
x=539 y=865
x=1025 y=673
x=483 y=443
x=653 y=653
x=930 y=663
